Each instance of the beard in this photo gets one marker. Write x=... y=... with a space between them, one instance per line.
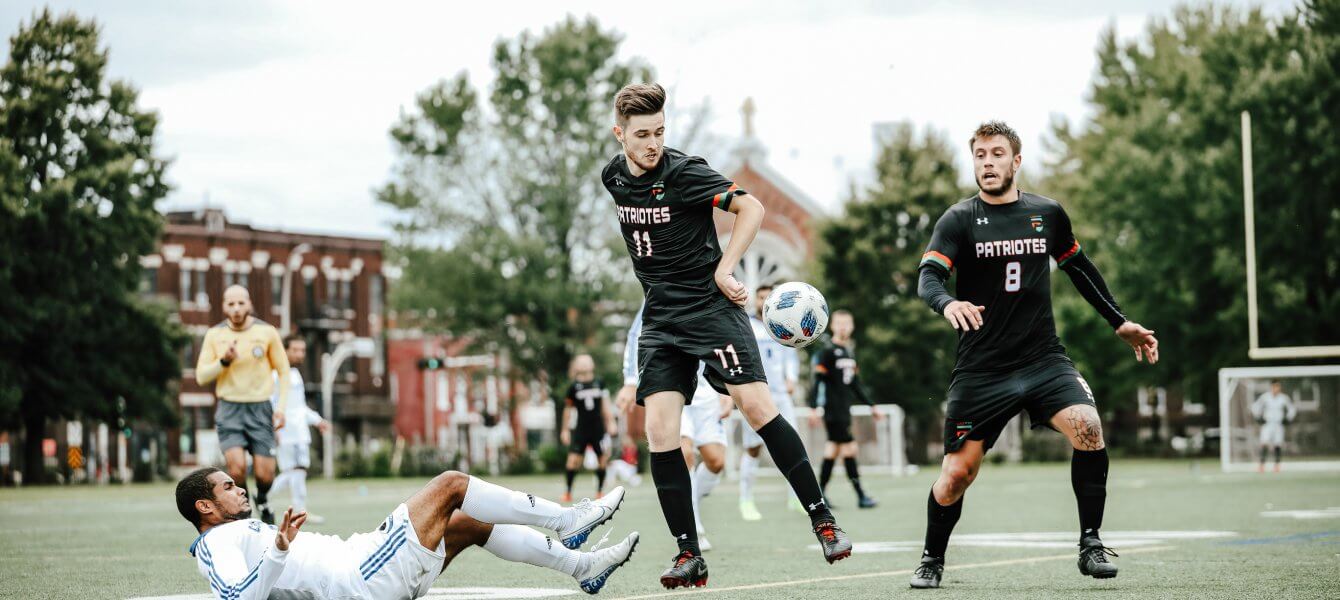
x=1004 y=181
x=239 y=318
x=642 y=161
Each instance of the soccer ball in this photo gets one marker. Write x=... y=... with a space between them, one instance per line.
x=796 y=314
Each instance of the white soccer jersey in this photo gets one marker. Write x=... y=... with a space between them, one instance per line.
x=299 y=418
x=241 y=563
x=1274 y=409
x=780 y=363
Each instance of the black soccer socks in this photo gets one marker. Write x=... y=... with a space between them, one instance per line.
x=1088 y=477
x=600 y=481
x=674 y=488
x=788 y=453
x=849 y=464
x=825 y=473
x=940 y=521
x=570 y=475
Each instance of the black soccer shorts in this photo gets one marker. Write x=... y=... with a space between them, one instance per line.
x=982 y=403
x=586 y=437
x=670 y=355
x=839 y=430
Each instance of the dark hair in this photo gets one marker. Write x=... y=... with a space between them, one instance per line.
x=293 y=337
x=638 y=99
x=992 y=128
x=763 y=286
x=1275 y=382
x=195 y=486
x=843 y=311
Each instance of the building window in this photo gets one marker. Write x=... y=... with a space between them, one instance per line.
x=185 y=287
x=198 y=285
x=148 y=281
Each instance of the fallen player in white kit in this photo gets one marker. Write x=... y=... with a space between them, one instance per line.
x=244 y=558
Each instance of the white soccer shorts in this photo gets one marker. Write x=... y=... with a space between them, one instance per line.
x=1272 y=434
x=293 y=456
x=785 y=406
x=701 y=422
x=392 y=562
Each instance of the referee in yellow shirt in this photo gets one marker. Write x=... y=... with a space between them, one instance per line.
x=240 y=354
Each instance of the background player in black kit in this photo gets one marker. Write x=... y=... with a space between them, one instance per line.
x=1009 y=357
x=694 y=312
x=589 y=398
x=837 y=383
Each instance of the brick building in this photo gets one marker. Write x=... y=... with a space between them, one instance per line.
x=336 y=291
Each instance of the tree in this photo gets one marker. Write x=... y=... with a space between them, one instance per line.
x=77 y=206
x=868 y=260
x=506 y=234
x=1153 y=183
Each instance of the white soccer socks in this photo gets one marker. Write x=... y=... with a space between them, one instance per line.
x=495 y=504
x=518 y=543
x=748 y=472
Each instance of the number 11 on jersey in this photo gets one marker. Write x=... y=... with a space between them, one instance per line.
x=642 y=239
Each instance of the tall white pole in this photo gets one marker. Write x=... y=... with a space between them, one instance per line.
x=1249 y=221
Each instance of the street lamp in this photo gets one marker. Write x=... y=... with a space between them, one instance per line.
x=294 y=263
x=330 y=366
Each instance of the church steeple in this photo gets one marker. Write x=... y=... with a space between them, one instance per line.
x=749 y=149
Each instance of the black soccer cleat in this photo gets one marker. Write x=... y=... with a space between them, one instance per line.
x=866 y=502
x=687 y=571
x=267 y=515
x=1093 y=559
x=833 y=540
x=928 y=573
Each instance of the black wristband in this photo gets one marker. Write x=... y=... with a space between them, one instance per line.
x=225 y=362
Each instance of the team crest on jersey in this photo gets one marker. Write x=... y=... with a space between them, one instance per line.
x=254 y=525
x=658 y=190
x=1036 y=221
x=962 y=428
x=257 y=351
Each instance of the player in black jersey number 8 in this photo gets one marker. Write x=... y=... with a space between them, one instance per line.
x=1001 y=242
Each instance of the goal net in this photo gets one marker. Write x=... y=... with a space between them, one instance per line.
x=880 y=442
x=1311 y=439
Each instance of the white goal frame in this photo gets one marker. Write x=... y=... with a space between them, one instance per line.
x=1228 y=379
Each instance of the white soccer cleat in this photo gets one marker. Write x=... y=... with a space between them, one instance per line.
x=703 y=544
x=587 y=515
x=602 y=563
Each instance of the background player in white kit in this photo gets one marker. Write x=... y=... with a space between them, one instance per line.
x=295 y=437
x=1272 y=411
x=243 y=558
x=782 y=365
x=701 y=428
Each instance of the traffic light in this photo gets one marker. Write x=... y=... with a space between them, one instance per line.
x=432 y=363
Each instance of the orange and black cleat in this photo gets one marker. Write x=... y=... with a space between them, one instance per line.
x=833 y=540
x=687 y=571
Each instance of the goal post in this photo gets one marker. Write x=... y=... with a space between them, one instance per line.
x=1311 y=440
x=881 y=442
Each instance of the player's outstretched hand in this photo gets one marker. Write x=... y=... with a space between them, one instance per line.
x=288 y=528
x=964 y=315
x=732 y=288
x=1141 y=340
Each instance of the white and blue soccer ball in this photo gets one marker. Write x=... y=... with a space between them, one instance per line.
x=796 y=314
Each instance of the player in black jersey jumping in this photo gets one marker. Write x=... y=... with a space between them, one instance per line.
x=589 y=398
x=837 y=383
x=1001 y=242
x=694 y=313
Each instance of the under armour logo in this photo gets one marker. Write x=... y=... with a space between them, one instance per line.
x=683 y=536
x=816 y=505
x=737 y=371
x=983 y=221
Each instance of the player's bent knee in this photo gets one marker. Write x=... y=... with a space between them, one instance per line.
x=450 y=486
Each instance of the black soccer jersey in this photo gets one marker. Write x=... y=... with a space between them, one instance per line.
x=666 y=219
x=837 y=382
x=1001 y=255
x=587 y=398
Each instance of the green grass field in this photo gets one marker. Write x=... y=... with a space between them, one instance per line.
x=128 y=542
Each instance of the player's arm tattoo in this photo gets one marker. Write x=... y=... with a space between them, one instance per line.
x=1088 y=432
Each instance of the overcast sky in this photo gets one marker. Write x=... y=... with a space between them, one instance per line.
x=279 y=111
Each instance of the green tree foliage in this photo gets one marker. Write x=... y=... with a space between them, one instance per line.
x=506 y=234
x=1154 y=185
x=76 y=211
x=867 y=261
